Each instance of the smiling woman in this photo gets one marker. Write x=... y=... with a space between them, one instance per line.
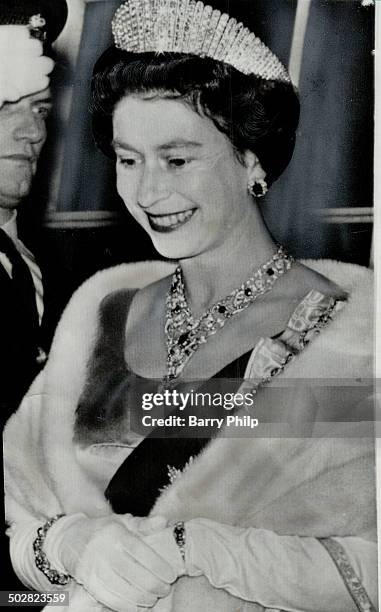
x=200 y=118
x=175 y=173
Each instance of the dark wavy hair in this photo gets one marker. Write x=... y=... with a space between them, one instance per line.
x=256 y=114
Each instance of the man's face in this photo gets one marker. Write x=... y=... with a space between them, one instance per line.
x=22 y=136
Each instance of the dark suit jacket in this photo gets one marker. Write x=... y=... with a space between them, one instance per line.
x=18 y=349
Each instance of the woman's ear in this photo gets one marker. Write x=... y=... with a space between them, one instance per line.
x=254 y=169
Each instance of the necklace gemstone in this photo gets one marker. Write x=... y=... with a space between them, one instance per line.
x=183 y=338
x=184 y=334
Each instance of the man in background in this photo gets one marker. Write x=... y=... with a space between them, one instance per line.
x=27 y=29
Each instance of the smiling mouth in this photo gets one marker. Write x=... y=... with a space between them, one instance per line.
x=169 y=223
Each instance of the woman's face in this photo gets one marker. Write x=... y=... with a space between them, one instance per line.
x=178 y=176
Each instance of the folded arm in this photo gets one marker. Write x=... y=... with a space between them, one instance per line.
x=287 y=572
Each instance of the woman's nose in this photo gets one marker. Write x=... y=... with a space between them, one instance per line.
x=30 y=127
x=153 y=187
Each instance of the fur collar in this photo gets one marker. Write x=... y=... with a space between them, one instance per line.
x=77 y=330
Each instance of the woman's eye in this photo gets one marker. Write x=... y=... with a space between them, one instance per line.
x=129 y=162
x=178 y=162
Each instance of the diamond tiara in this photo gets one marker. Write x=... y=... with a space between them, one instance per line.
x=187 y=26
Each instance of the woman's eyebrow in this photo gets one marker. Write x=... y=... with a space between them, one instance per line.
x=179 y=144
x=124 y=145
x=173 y=144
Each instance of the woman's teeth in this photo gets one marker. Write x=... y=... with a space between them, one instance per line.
x=171 y=220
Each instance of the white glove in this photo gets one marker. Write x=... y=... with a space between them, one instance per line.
x=112 y=559
x=23 y=67
x=282 y=572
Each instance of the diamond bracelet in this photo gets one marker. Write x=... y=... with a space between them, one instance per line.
x=180 y=537
x=40 y=558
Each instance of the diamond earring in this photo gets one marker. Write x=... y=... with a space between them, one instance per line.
x=257 y=188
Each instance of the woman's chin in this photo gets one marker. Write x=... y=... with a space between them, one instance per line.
x=173 y=248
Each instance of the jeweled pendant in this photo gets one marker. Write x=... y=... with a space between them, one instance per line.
x=184 y=334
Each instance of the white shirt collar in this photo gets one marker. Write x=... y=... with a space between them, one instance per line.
x=10 y=227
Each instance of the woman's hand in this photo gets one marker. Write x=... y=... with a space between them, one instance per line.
x=114 y=561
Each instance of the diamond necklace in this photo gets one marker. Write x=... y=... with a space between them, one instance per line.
x=184 y=334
